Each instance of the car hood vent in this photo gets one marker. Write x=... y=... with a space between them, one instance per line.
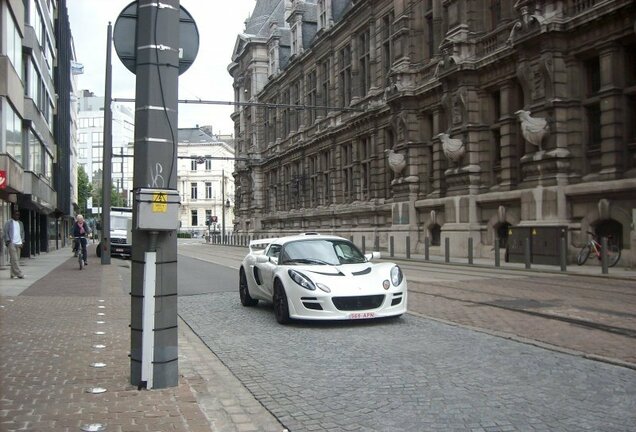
x=362 y=272
x=335 y=273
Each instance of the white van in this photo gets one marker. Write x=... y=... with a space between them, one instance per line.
x=120 y=232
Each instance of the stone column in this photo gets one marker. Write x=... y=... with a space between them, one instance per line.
x=612 y=154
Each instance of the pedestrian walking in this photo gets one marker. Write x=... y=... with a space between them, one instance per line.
x=13 y=235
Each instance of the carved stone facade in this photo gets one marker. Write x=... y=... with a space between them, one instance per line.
x=437 y=118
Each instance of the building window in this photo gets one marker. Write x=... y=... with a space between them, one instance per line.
x=208 y=190
x=294 y=40
x=193 y=164
x=592 y=107
x=313 y=180
x=389 y=139
x=14 y=42
x=286 y=120
x=364 y=61
x=387 y=42
x=346 y=157
x=325 y=166
x=365 y=150
x=325 y=85
x=194 y=218
x=35 y=153
x=193 y=191
x=344 y=76
x=208 y=164
x=430 y=30
x=324 y=14
x=495 y=130
x=495 y=13
x=295 y=100
x=97 y=137
x=13 y=124
x=311 y=97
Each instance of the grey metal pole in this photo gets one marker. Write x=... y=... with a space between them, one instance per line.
x=391 y=246
x=364 y=245
x=564 y=253
x=155 y=153
x=447 y=249
x=497 y=254
x=223 y=206
x=427 y=245
x=470 y=250
x=376 y=243
x=526 y=252
x=408 y=247
x=604 y=260
x=107 y=151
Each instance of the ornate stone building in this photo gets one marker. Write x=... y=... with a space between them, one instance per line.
x=438 y=119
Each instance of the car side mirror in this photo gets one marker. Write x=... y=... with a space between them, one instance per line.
x=262 y=259
x=373 y=256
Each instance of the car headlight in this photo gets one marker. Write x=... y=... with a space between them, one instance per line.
x=396 y=276
x=301 y=280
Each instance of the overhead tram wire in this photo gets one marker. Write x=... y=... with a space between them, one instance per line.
x=256 y=104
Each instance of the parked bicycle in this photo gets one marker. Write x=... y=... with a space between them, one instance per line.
x=81 y=247
x=594 y=246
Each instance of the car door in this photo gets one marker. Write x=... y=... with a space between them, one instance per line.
x=268 y=268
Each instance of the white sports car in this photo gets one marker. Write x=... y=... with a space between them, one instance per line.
x=320 y=277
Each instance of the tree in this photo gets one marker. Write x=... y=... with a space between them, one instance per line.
x=84 y=189
x=116 y=199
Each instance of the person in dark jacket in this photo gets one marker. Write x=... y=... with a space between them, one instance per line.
x=82 y=230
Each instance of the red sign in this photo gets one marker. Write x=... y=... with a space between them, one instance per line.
x=3 y=179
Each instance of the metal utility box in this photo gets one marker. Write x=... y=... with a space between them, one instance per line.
x=515 y=251
x=545 y=244
x=157 y=209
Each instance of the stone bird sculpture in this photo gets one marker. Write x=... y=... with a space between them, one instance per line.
x=534 y=129
x=453 y=148
x=397 y=162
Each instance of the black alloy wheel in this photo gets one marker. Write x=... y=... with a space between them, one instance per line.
x=246 y=298
x=281 y=308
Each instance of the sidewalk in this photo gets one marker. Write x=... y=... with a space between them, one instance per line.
x=67 y=334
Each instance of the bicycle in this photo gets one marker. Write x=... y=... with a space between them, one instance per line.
x=80 y=251
x=593 y=245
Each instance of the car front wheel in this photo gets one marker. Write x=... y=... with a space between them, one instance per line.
x=246 y=298
x=281 y=308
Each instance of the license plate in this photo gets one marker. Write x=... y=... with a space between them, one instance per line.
x=361 y=315
x=119 y=250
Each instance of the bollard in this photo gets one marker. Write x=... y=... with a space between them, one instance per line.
x=447 y=250
x=376 y=243
x=526 y=252
x=364 y=245
x=604 y=261
x=564 y=254
x=470 y=250
x=497 y=255
x=391 y=246
x=427 y=245
x=408 y=247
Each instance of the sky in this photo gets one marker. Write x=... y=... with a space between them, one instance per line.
x=219 y=22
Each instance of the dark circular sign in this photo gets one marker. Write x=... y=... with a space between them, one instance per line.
x=125 y=38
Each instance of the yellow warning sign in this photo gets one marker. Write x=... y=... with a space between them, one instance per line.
x=159 y=202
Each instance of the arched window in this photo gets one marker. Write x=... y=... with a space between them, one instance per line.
x=502 y=234
x=611 y=229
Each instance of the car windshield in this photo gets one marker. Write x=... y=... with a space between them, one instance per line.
x=321 y=252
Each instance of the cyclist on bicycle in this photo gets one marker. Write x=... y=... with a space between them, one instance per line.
x=82 y=230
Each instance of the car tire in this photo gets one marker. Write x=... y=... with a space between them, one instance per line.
x=246 y=298
x=281 y=307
